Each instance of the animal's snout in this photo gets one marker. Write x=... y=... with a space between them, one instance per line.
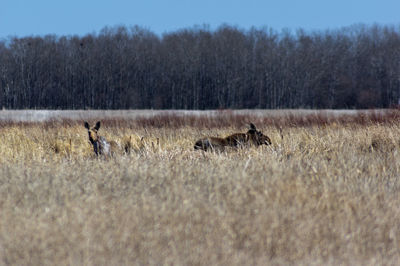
x=92 y=136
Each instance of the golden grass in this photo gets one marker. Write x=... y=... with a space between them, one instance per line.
x=319 y=195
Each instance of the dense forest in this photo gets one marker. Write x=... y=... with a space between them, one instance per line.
x=198 y=68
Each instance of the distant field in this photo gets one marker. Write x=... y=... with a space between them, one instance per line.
x=46 y=115
x=326 y=192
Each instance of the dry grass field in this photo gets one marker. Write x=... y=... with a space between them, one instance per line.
x=326 y=192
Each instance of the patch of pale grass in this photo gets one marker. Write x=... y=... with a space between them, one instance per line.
x=318 y=195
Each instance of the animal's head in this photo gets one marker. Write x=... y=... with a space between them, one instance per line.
x=92 y=132
x=257 y=137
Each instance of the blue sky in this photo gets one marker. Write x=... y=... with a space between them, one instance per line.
x=69 y=17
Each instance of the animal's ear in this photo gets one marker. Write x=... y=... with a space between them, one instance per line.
x=87 y=125
x=252 y=126
x=97 y=125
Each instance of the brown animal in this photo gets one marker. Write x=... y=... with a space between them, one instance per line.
x=100 y=145
x=253 y=136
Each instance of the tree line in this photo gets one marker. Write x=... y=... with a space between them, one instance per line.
x=198 y=68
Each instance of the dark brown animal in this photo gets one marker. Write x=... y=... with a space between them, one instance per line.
x=100 y=145
x=252 y=137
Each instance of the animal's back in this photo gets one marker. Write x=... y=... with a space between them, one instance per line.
x=237 y=139
x=115 y=147
x=209 y=143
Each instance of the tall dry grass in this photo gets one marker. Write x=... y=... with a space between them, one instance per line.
x=326 y=192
